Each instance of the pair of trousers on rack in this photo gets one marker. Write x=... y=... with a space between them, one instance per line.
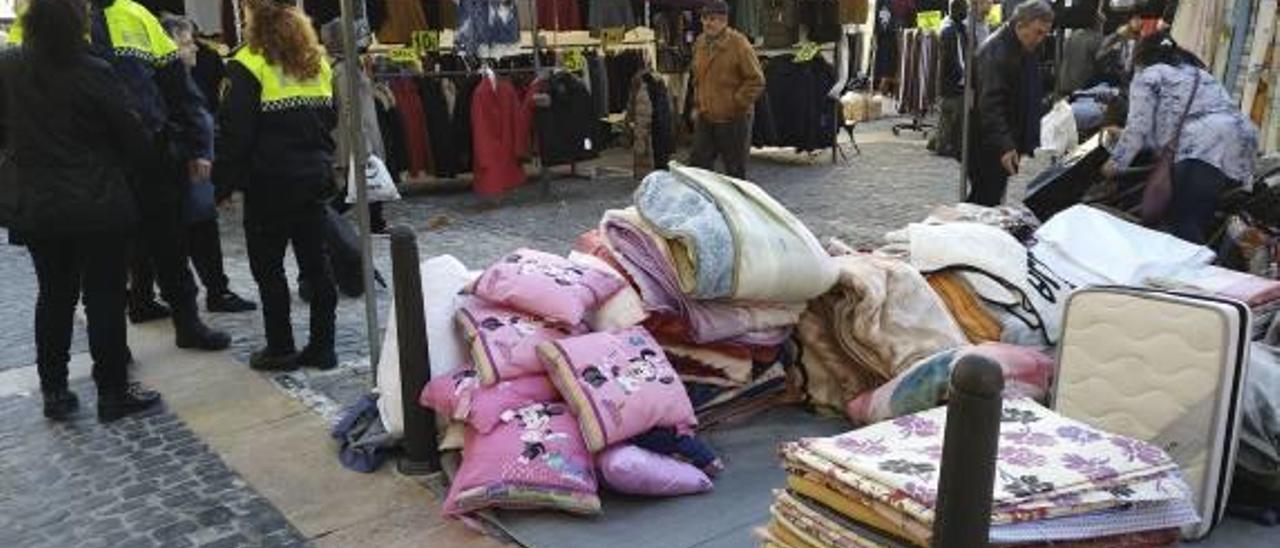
x=728 y=141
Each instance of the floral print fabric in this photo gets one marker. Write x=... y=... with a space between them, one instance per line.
x=1047 y=465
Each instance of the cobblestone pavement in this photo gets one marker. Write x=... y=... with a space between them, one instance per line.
x=143 y=481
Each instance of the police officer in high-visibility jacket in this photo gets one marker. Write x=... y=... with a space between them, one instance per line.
x=146 y=61
x=275 y=146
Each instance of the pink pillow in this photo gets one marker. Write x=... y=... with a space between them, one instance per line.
x=459 y=396
x=631 y=470
x=534 y=460
x=504 y=343
x=619 y=385
x=546 y=286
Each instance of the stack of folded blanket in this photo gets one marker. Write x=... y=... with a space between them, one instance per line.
x=1058 y=481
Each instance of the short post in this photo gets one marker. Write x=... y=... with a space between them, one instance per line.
x=421 y=453
x=963 y=514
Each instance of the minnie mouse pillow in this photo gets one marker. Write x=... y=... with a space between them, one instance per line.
x=546 y=286
x=459 y=396
x=504 y=343
x=619 y=385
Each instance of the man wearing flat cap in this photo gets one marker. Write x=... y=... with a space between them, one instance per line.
x=727 y=80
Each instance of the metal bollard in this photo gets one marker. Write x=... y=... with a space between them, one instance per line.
x=421 y=453
x=963 y=514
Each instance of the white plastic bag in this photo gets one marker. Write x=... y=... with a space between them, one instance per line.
x=1058 y=133
x=382 y=188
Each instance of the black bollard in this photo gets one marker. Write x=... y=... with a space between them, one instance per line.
x=421 y=453
x=963 y=514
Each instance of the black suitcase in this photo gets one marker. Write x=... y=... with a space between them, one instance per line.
x=1064 y=185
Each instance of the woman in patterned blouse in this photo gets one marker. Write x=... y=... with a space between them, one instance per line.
x=1218 y=144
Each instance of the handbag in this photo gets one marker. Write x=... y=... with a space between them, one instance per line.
x=198 y=205
x=1158 y=192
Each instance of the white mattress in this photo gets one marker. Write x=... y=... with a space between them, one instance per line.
x=1161 y=367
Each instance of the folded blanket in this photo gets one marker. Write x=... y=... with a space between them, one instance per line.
x=734 y=365
x=623 y=309
x=881 y=318
x=770 y=245
x=647 y=260
x=927 y=384
x=1254 y=291
x=701 y=243
x=972 y=316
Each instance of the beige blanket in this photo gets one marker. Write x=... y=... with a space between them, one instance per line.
x=880 y=318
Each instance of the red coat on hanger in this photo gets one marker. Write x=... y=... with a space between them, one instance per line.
x=499 y=136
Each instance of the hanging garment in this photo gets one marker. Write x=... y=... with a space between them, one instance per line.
x=559 y=15
x=822 y=19
x=414 y=124
x=485 y=23
x=854 y=12
x=566 y=128
x=444 y=149
x=640 y=120
x=500 y=129
x=886 y=34
x=747 y=15
x=462 y=122
x=598 y=72
x=393 y=134
x=804 y=116
x=622 y=67
x=605 y=14
x=663 y=121
x=403 y=18
x=781 y=29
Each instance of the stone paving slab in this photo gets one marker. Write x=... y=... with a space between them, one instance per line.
x=140 y=482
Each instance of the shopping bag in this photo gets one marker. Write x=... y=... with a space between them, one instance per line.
x=198 y=205
x=381 y=187
x=1058 y=132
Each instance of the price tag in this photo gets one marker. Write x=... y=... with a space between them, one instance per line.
x=995 y=16
x=425 y=41
x=573 y=60
x=807 y=52
x=929 y=20
x=613 y=37
x=405 y=55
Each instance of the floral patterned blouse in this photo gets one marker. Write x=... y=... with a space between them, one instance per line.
x=1216 y=132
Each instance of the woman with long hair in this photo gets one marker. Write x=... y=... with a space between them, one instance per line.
x=1217 y=144
x=73 y=142
x=275 y=146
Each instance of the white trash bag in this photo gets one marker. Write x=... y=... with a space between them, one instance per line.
x=1058 y=133
x=382 y=188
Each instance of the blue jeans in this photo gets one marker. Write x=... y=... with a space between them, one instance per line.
x=1197 y=187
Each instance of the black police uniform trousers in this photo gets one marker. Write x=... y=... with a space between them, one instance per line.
x=163 y=237
x=69 y=268
x=267 y=240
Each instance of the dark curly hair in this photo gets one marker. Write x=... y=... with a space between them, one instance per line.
x=1161 y=49
x=54 y=30
x=284 y=35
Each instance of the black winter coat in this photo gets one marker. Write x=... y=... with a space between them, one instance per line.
x=1004 y=111
x=75 y=141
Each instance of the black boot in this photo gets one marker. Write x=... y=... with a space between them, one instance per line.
x=314 y=358
x=147 y=311
x=191 y=333
x=269 y=359
x=226 y=301
x=59 y=404
x=133 y=399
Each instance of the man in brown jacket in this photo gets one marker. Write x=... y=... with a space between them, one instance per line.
x=727 y=80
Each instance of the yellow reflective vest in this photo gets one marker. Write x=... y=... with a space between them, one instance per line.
x=283 y=92
x=134 y=31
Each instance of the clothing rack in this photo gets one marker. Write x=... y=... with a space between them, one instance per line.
x=917 y=123
x=836 y=153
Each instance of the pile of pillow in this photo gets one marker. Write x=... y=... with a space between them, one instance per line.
x=559 y=386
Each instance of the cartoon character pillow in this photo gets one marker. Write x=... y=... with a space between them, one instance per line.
x=618 y=383
x=534 y=459
x=546 y=286
x=504 y=343
x=459 y=396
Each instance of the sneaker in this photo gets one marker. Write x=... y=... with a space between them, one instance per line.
x=323 y=360
x=227 y=301
x=133 y=399
x=273 y=360
x=148 y=311
x=60 y=404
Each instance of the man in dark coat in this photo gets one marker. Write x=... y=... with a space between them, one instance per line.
x=1006 y=119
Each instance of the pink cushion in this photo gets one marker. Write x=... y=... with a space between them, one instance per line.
x=504 y=343
x=459 y=396
x=547 y=286
x=619 y=385
x=534 y=459
x=631 y=470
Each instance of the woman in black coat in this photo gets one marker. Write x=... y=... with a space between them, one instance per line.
x=73 y=142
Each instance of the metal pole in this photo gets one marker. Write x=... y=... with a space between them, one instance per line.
x=355 y=140
x=421 y=454
x=971 y=30
x=965 y=484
